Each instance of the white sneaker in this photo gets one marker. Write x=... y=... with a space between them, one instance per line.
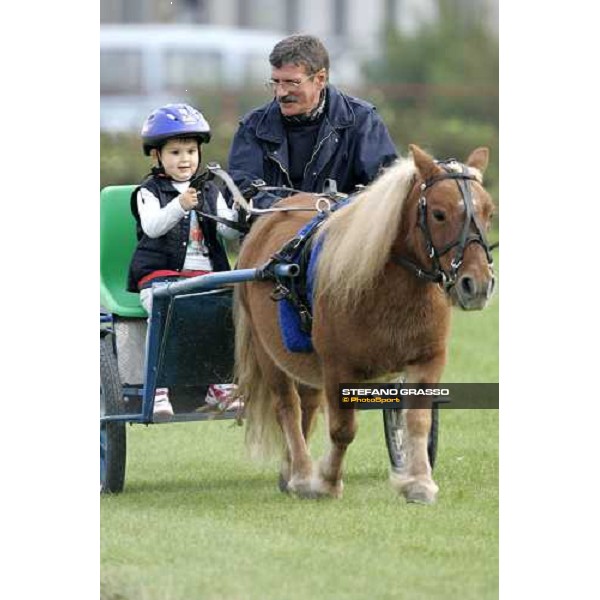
x=163 y=411
x=222 y=397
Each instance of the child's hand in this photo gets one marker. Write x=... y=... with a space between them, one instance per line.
x=188 y=199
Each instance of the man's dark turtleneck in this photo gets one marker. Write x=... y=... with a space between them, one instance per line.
x=302 y=133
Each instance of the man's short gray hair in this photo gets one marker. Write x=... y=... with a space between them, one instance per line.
x=298 y=49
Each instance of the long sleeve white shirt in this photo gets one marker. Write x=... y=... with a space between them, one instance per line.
x=157 y=220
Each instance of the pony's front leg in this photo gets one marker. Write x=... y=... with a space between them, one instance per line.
x=414 y=480
x=342 y=427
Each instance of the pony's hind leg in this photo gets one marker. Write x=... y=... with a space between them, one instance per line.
x=272 y=412
x=296 y=473
x=414 y=480
x=310 y=401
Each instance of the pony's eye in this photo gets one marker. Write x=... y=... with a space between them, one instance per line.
x=439 y=215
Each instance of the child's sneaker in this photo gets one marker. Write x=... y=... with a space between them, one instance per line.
x=163 y=411
x=222 y=397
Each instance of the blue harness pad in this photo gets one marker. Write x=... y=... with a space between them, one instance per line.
x=294 y=338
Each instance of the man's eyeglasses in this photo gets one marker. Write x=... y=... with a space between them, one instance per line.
x=287 y=84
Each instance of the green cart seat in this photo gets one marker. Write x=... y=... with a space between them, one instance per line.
x=117 y=243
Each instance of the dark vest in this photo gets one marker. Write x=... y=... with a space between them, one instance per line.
x=168 y=250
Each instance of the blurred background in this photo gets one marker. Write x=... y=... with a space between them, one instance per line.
x=430 y=67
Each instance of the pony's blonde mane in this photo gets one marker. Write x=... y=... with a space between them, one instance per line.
x=358 y=238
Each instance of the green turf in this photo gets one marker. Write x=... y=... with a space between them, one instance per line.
x=199 y=520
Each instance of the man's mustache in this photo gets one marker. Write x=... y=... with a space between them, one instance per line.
x=286 y=99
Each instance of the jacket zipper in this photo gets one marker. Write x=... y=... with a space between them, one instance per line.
x=316 y=150
x=282 y=168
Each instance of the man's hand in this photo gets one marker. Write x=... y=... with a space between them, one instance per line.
x=189 y=199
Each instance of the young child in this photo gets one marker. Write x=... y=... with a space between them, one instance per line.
x=173 y=242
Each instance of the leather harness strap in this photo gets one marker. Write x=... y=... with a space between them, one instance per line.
x=471 y=224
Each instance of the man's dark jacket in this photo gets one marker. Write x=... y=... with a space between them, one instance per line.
x=352 y=145
x=168 y=251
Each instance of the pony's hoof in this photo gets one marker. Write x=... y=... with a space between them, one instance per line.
x=326 y=482
x=314 y=489
x=301 y=488
x=283 y=484
x=328 y=489
x=421 y=493
x=418 y=491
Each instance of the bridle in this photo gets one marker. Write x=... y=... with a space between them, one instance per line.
x=471 y=233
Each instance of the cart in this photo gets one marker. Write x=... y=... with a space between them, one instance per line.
x=190 y=345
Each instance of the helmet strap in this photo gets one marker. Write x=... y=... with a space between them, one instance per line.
x=155 y=155
x=158 y=170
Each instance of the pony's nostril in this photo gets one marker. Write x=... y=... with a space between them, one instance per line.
x=467 y=286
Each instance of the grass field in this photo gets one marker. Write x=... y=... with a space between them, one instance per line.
x=197 y=519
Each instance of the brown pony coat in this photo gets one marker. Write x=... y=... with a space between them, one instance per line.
x=372 y=319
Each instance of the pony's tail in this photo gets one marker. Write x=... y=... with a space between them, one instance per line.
x=264 y=437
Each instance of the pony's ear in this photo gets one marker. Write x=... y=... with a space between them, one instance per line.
x=479 y=159
x=424 y=163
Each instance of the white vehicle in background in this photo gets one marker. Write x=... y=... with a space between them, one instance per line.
x=145 y=66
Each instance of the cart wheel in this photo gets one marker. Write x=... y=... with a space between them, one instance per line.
x=113 y=448
x=393 y=420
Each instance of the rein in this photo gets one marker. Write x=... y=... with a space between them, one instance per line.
x=471 y=231
x=329 y=194
x=322 y=204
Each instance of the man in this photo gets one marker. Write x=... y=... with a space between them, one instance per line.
x=310 y=131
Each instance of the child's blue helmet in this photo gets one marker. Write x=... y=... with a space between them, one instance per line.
x=173 y=121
